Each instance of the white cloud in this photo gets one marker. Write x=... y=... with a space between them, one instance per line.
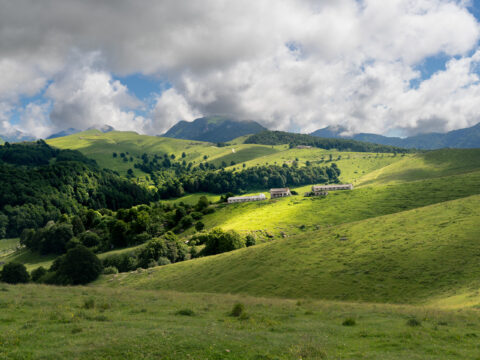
x=293 y=64
x=84 y=96
x=170 y=108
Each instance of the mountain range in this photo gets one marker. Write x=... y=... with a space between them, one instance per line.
x=461 y=138
x=213 y=129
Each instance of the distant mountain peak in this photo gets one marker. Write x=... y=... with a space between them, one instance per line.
x=461 y=138
x=213 y=129
x=66 y=132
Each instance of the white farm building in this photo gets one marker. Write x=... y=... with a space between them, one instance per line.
x=322 y=188
x=239 y=199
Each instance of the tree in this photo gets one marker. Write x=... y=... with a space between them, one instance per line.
x=38 y=273
x=219 y=241
x=89 y=239
x=199 y=226
x=79 y=266
x=14 y=273
x=202 y=203
x=119 y=234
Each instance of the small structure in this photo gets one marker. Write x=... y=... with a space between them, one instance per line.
x=281 y=192
x=304 y=147
x=240 y=199
x=322 y=189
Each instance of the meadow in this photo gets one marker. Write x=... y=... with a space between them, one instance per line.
x=48 y=322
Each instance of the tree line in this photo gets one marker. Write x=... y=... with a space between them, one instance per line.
x=280 y=137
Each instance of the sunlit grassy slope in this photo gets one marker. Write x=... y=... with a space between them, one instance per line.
x=297 y=213
x=48 y=322
x=426 y=165
x=407 y=257
x=101 y=146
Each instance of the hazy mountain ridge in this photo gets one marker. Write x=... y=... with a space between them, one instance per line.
x=213 y=129
x=461 y=138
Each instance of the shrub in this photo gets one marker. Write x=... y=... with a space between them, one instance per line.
x=237 y=310
x=89 y=239
x=185 y=312
x=38 y=273
x=110 y=270
x=349 y=322
x=79 y=266
x=163 y=261
x=199 y=226
x=14 y=273
x=88 y=304
x=413 y=322
x=250 y=240
x=219 y=241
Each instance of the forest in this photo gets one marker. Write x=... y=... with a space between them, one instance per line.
x=280 y=137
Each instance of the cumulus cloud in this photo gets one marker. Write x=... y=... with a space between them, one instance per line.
x=84 y=96
x=293 y=64
x=170 y=108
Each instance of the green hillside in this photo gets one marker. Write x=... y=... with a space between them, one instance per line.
x=101 y=146
x=407 y=257
x=297 y=213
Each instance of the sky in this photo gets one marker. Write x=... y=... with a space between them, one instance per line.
x=400 y=67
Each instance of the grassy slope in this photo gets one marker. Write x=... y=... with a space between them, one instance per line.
x=100 y=146
x=407 y=257
x=426 y=165
x=47 y=322
x=289 y=214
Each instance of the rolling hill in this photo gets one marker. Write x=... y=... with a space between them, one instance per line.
x=213 y=129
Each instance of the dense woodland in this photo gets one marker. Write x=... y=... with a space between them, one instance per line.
x=39 y=183
x=280 y=137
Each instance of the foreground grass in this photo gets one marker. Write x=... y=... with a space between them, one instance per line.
x=46 y=322
x=408 y=257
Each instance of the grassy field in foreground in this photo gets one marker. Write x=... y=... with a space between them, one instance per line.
x=298 y=214
x=408 y=257
x=47 y=322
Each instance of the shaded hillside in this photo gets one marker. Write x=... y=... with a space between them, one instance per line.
x=462 y=138
x=38 y=183
x=213 y=129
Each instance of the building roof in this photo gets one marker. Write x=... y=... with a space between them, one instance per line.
x=330 y=186
x=261 y=196
x=280 y=190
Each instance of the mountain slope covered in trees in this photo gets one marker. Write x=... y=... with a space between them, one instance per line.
x=213 y=129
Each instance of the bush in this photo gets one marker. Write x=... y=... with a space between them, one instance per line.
x=14 y=273
x=413 y=322
x=185 y=312
x=237 y=310
x=163 y=261
x=349 y=322
x=199 y=226
x=123 y=262
x=89 y=239
x=250 y=240
x=110 y=270
x=78 y=266
x=38 y=273
x=219 y=241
